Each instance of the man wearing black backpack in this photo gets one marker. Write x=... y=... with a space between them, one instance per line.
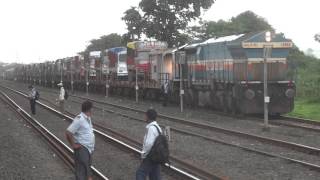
x=152 y=155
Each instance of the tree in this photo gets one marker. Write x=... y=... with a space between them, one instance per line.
x=305 y=70
x=134 y=21
x=317 y=37
x=250 y=22
x=105 y=42
x=166 y=20
x=243 y=23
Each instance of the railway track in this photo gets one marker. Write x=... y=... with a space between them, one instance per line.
x=301 y=123
x=280 y=121
x=185 y=170
x=208 y=138
x=61 y=149
x=194 y=123
x=294 y=122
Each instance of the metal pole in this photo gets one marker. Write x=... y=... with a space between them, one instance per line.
x=137 y=88
x=40 y=77
x=107 y=84
x=181 y=90
x=45 y=76
x=71 y=81
x=107 y=87
x=267 y=52
x=52 y=78
x=87 y=82
x=181 y=57
x=61 y=68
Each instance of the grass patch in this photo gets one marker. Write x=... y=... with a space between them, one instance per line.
x=306 y=109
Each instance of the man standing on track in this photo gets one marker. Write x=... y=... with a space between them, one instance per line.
x=147 y=166
x=61 y=97
x=32 y=98
x=81 y=137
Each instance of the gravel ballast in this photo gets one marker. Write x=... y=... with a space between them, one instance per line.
x=24 y=154
x=230 y=161
x=109 y=159
x=212 y=156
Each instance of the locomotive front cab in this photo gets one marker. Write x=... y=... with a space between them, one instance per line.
x=249 y=75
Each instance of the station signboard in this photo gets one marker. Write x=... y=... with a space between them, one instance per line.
x=149 y=45
x=253 y=45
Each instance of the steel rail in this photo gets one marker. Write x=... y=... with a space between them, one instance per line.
x=286 y=118
x=51 y=138
x=309 y=165
x=282 y=117
x=188 y=175
x=296 y=146
x=137 y=144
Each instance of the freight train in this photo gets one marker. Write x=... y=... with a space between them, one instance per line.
x=221 y=73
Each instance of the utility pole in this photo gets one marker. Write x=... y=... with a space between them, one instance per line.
x=266 y=53
x=45 y=75
x=87 y=79
x=61 y=69
x=52 y=74
x=107 y=86
x=182 y=56
x=71 y=77
x=137 y=87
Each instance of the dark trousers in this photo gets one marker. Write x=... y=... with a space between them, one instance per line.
x=165 y=99
x=148 y=168
x=33 y=106
x=61 y=102
x=82 y=159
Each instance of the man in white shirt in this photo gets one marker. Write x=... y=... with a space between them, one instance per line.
x=81 y=137
x=61 y=97
x=148 y=167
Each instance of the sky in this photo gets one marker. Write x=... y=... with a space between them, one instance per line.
x=38 y=30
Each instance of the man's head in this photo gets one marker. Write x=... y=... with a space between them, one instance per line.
x=60 y=84
x=30 y=86
x=86 y=107
x=151 y=115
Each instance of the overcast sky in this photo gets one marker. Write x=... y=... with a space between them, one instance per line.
x=39 y=30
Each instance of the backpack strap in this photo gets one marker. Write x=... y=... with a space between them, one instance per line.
x=159 y=132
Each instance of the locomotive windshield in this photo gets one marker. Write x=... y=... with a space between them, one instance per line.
x=123 y=58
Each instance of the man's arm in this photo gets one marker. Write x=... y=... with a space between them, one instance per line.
x=149 y=141
x=71 y=141
x=72 y=129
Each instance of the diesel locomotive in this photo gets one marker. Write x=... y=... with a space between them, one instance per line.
x=220 y=73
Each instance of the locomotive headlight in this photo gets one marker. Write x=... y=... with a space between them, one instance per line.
x=290 y=93
x=249 y=94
